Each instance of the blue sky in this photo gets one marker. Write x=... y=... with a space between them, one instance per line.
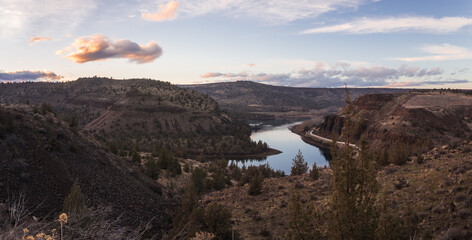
x=308 y=43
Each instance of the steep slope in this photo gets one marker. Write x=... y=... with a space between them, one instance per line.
x=41 y=157
x=140 y=113
x=440 y=117
x=246 y=96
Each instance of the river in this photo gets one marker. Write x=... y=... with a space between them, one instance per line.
x=282 y=139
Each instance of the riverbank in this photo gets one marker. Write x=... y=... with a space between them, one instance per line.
x=318 y=141
x=266 y=153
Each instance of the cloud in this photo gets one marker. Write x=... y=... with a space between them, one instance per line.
x=42 y=15
x=39 y=38
x=335 y=75
x=165 y=12
x=442 y=52
x=228 y=75
x=396 y=24
x=251 y=65
x=29 y=76
x=98 y=47
x=423 y=83
x=270 y=11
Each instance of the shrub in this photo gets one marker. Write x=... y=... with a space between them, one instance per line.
x=218 y=180
x=198 y=180
x=136 y=157
x=215 y=218
x=399 y=154
x=46 y=107
x=174 y=167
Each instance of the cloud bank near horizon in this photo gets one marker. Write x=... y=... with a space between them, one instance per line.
x=440 y=52
x=340 y=74
x=29 y=76
x=98 y=48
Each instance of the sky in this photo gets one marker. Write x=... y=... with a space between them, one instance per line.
x=303 y=43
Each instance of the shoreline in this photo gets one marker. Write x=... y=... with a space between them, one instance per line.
x=319 y=144
x=268 y=152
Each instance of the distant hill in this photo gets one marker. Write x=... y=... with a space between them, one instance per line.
x=263 y=99
x=140 y=114
x=41 y=157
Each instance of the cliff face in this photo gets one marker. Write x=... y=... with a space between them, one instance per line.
x=405 y=117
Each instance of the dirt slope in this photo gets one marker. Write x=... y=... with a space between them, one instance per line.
x=41 y=157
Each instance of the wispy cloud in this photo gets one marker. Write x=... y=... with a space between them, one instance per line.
x=29 y=76
x=42 y=15
x=98 y=47
x=424 y=83
x=442 y=52
x=227 y=75
x=271 y=11
x=335 y=75
x=396 y=24
x=165 y=12
x=39 y=38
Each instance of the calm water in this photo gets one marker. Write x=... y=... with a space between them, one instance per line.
x=282 y=139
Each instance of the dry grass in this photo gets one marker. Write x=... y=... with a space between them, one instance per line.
x=91 y=223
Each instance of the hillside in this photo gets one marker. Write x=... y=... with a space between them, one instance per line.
x=431 y=199
x=265 y=101
x=140 y=114
x=41 y=157
x=429 y=118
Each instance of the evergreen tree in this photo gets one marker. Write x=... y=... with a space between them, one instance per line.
x=314 y=172
x=136 y=157
x=299 y=166
x=152 y=169
x=75 y=201
x=255 y=185
x=164 y=160
x=299 y=225
x=352 y=211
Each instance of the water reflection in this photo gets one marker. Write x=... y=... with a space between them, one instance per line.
x=281 y=138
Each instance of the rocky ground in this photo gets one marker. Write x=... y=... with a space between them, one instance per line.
x=437 y=186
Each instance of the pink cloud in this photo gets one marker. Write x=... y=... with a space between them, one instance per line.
x=39 y=38
x=98 y=47
x=165 y=12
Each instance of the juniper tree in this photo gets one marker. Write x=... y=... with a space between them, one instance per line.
x=299 y=166
x=352 y=211
x=314 y=172
x=75 y=201
x=300 y=224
